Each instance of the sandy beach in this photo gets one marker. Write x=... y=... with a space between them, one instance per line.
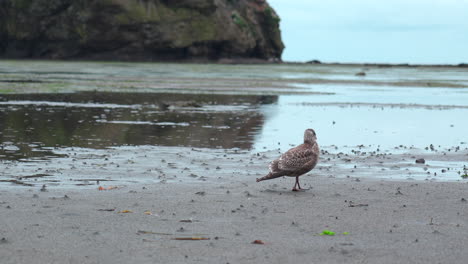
x=218 y=202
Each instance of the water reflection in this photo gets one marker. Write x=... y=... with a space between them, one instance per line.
x=31 y=124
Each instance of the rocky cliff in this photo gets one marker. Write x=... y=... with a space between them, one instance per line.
x=148 y=30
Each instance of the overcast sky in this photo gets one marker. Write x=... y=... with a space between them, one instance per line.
x=396 y=31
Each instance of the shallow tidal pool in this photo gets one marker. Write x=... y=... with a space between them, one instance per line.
x=47 y=107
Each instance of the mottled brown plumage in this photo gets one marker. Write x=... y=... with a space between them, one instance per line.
x=296 y=161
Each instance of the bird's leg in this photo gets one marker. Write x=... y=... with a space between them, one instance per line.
x=297 y=180
x=297 y=184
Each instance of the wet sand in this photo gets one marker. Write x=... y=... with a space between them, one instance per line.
x=216 y=198
x=387 y=222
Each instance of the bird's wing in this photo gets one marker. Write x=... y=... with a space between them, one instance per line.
x=295 y=158
x=274 y=166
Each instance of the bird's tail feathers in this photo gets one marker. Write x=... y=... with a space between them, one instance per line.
x=269 y=176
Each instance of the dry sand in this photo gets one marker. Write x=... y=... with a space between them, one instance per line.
x=374 y=220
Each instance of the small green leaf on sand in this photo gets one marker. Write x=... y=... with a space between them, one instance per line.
x=327 y=233
x=345 y=233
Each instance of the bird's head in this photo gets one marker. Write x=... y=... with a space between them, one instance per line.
x=310 y=136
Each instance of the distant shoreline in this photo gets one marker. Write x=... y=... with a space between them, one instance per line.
x=368 y=64
x=250 y=61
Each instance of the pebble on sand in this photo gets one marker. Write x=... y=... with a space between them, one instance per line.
x=422 y=161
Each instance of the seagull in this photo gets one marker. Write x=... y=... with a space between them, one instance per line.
x=296 y=161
